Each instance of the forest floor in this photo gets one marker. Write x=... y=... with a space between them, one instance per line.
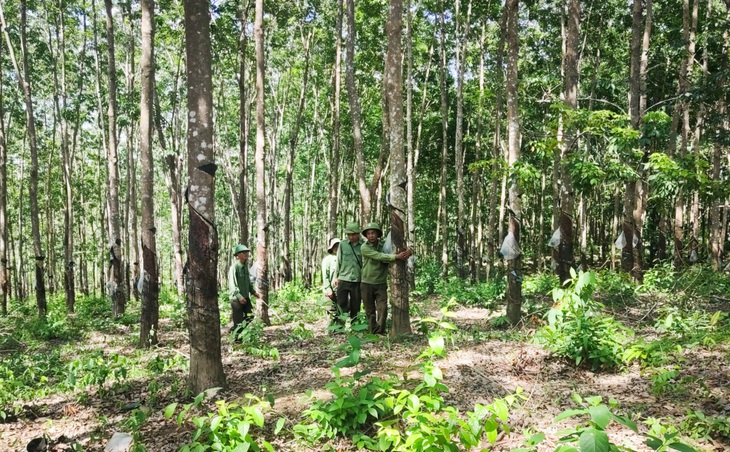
x=481 y=364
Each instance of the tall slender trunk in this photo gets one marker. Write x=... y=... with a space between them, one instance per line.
x=150 y=268
x=497 y=155
x=4 y=270
x=26 y=89
x=398 y=178
x=357 y=141
x=681 y=113
x=66 y=165
x=262 y=308
x=476 y=236
x=243 y=130
x=514 y=266
x=568 y=144
x=442 y=214
x=286 y=265
x=115 y=285
x=334 y=159
x=717 y=235
x=461 y=41
x=206 y=367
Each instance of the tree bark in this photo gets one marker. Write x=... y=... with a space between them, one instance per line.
x=150 y=274
x=717 y=236
x=514 y=266
x=206 y=368
x=26 y=89
x=567 y=148
x=461 y=46
x=244 y=131
x=115 y=285
x=365 y=199
x=286 y=265
x=394 y=82
x=4 y=270
x=334 y=159
x=442 y=214
x=262 y=308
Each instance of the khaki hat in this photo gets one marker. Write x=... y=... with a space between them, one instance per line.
x=352 y=228
x=372 y=226
x=240 y=249
x=333 y=242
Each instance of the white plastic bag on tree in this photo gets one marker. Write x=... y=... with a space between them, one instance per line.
x=555 y=239
x=620 y=242
x=252 y=272
x=388 y=245
x=510 y=248
x=635 y=240
x=693 y=256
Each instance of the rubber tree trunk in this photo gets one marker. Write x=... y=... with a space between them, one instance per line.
x=394 y=85
x=262 y=308
x=115 y=285
x=149 y=275
x=206 y=368
x=514 y=266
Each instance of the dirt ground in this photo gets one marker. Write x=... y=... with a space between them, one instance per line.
x=474 y=371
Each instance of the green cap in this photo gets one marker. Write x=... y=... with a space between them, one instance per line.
x=373 y=226
x=240 y=249
x=352 y=228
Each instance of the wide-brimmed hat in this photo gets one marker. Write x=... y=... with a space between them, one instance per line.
x=372 y=226
x=352 y=228
x=240 y=249
x=333 y=242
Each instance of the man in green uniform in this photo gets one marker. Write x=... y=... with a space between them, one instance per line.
x=240 y=288
x=329 y=274
x=349 y=263
x=374 y=287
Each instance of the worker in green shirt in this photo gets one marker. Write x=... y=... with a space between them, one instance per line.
x=374 y=277
x=349 y=263
x=329 y=274
x=240 y=288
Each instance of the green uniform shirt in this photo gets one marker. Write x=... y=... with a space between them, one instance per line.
x=239 y=282
x=375 y=263
x=329 y=273
x=349 y=261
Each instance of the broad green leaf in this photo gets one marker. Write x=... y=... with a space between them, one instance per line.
x=600 y=415
x=681 y=447
x=569 y=413
x=279 y=425
x=258 y=417
x=170 y=410
x=592 y=440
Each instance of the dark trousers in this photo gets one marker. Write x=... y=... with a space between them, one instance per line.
x=375 y=300
x=348 y=298
x=241 y=313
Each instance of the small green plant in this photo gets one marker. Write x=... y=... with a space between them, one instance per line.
x=250 y=336
x=664 y=380
x=133 y=424
x=231 y=428
x=700 y=426
x=577 y=329
x=590 y=435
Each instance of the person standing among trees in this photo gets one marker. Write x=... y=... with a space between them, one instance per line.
x=349 y=264
x=374 y=286
x=240 y=289
x=329 y=274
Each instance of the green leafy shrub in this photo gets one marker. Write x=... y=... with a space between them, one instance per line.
x=577 y=330
x=615 y=288
x=539 y=284
x=486 y=294
x=700 y=426
x=428 y=274
x=231 y=428
x=590 y=435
